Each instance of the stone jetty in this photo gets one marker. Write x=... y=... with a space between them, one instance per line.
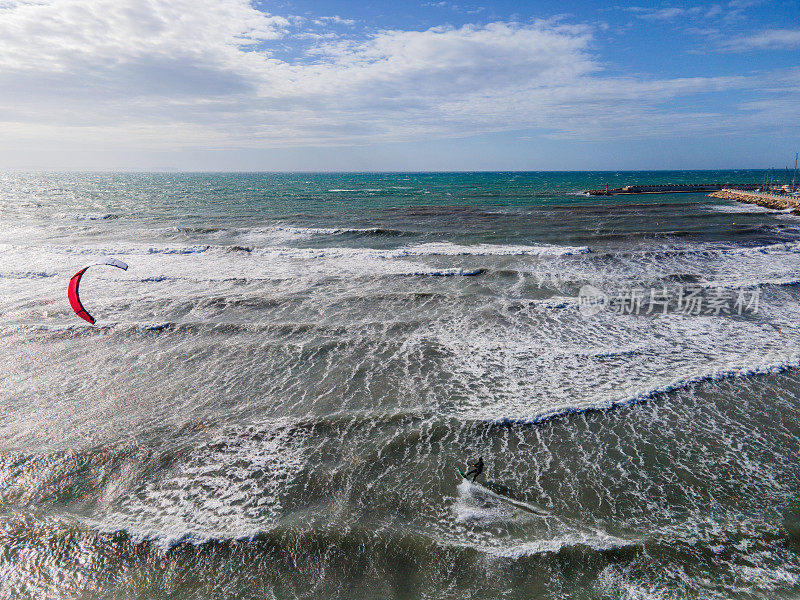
x=766 y=199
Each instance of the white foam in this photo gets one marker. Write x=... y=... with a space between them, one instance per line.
x=600 y=542
x=88 y=216
x=768 y=578
x=306 y=231
x=448 y=273
x=615 y=585
x=420 y=250
x=743 y=208
x=450 y=249
x=477 y=506
x=125 y=250
x=539 y=364
x=227 y=488
x=648 y=393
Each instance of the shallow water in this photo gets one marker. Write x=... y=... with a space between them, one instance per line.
x=278 y=390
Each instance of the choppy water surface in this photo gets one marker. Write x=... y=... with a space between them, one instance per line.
x=280 y=387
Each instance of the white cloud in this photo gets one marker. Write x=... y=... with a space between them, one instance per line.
x=201 y=74
x=727 y=13
x=771 y=39
x=335 y=20
x=57 y=35
x=663 y=14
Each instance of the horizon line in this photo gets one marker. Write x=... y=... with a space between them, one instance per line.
x=387 y=171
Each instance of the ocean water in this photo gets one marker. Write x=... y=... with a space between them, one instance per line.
x=279 y=389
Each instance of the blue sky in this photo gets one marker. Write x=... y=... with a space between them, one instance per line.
x=439 y=85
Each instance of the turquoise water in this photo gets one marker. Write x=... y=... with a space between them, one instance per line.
x=280 y=387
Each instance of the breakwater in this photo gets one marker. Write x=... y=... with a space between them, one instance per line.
x=670 y=188
x=766 y=199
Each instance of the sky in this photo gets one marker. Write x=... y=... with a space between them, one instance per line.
x=302 y=85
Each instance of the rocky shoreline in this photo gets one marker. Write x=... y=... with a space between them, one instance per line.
x=761 y=198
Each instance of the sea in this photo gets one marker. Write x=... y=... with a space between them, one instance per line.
x=278 y=392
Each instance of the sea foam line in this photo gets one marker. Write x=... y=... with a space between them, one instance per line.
x=765 y=369
x=428 y=249
x=450 y=249
x=599 y=543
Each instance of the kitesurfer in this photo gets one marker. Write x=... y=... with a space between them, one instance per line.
x=476 y=470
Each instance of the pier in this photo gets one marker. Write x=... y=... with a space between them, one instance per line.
x=750 y=193
x=672 y=188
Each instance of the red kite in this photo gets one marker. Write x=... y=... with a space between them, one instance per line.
x=72 y=290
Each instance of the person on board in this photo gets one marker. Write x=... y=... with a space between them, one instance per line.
x=476 y=470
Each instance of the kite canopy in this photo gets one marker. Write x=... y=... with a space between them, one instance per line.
x=74 y=283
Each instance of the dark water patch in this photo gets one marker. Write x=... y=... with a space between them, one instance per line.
x=378 y=232
x=27 y=275
x=94 y=216
x=618 y=208
x=438 y=210
x=198 y=229
x=506 y=273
